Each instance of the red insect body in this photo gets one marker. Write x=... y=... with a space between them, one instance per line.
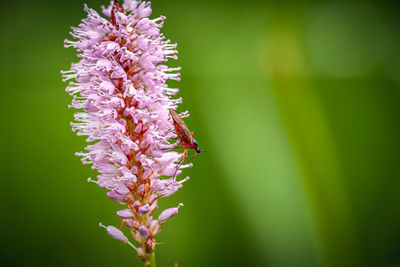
x=186 y=137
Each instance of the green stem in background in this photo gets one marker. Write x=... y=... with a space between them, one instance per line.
x=308 y=130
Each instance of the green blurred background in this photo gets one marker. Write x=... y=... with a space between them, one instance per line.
x=295 y=102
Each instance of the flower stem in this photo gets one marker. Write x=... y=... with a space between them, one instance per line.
x=150 y=260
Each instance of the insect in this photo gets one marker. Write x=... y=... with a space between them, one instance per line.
x=187 y=140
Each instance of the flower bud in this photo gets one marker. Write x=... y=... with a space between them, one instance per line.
x=144 y=209
x=125 y=214
x=114 y=195
x=168 y=213
x=115 y=233
x=154 y=227
x=143 y=231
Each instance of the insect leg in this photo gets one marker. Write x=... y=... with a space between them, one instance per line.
x=182 y=160
x=192 y=156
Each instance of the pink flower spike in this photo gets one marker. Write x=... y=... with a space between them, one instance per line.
x=119 y=89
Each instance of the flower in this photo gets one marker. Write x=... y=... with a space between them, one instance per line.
x=115 y=233
x=168 y=213
x=119 y=89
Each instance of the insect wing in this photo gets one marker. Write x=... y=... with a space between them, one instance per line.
x=181 y=124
